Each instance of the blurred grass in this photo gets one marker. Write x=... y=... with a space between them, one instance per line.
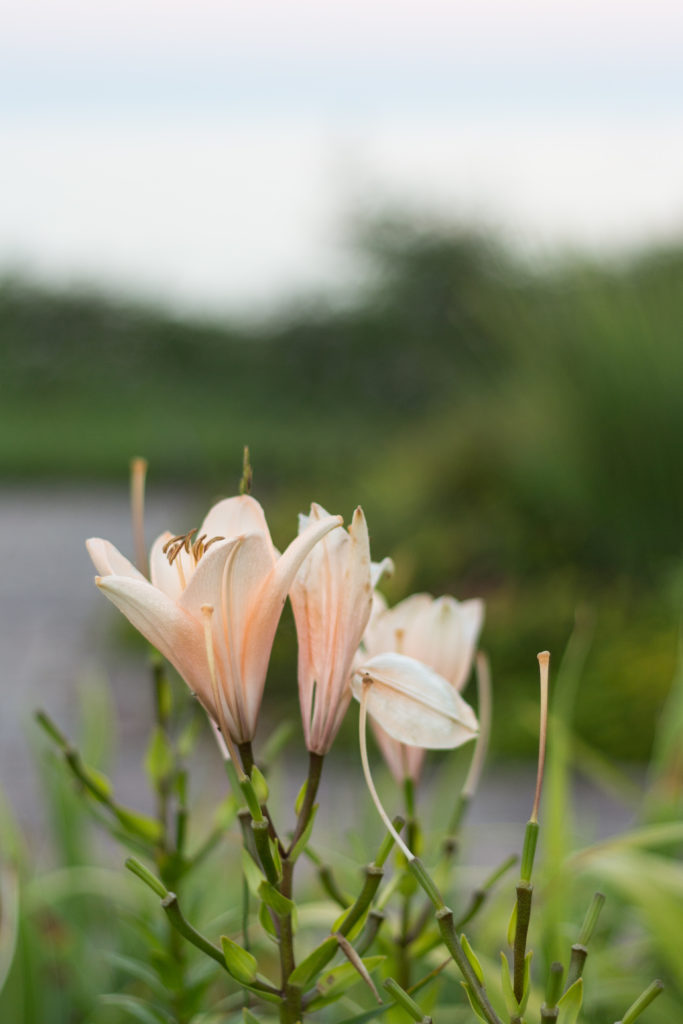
x=511 y=430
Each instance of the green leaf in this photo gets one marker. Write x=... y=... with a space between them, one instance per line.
x=570 y=1003
x=301 y=796
x=336 y=981
x=99 y=781
x=511 y=1004
x=260 y=785
x=266 y=922
x=241 y=964
x=471 y=956
x=512 y=926
x=139 y=824
x=527 y=981
x=274 y=899
x=159 y=757
x=249 y=1017
x=307 y=970
x=475 y=1009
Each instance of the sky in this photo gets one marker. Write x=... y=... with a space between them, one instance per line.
x=213 y=155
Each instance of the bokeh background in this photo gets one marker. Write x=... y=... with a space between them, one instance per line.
x=425 y=257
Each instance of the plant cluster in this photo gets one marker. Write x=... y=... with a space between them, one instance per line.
x=209 y=602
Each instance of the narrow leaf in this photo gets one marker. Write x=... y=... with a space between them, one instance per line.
x=570 y=1003
x=315 y=962
x=274 y=899
x=512 y=926
x=258 y=781
x=511 y=1004
x=471 y=956
x=336 y=981
x=241 y=964
x=475 y=1009
x=527 y=981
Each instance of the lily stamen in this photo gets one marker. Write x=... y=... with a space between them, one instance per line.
x=184 y=542
x=362 y=735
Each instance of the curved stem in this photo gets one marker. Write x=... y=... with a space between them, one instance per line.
x=368 y=775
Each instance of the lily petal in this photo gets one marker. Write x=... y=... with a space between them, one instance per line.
x=169 y=628
x=414 y=704
x=109 y=560
x=234 y=516
x=162 y=574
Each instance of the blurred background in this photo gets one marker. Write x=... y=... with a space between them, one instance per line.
x=424 y=257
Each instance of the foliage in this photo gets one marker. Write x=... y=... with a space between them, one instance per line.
x=92 y=946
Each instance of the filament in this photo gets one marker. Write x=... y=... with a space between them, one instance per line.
x=367 y=683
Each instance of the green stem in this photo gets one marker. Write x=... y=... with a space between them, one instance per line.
x=524 y=895
x=642 y=1002
x=291 y=1007
x=444 y=919
x=182 y=925
x=315 y=767
x=577 y=962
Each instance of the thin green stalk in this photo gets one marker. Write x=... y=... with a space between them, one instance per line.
x=444 y=917
x=524 y=897
x=291 y=1007
x=315 y=767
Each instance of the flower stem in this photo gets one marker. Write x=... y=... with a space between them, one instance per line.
x=524 y=896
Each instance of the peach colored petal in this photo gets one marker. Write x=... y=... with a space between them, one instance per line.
x=107 y=559
x=331 y=597
x=234 y=516
x=169 y=628
x=162 y=574
x=413 y=704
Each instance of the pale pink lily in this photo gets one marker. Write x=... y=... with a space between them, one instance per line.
x=213 y=603
x=332 y=599
x=441 y=633
x=415 y=706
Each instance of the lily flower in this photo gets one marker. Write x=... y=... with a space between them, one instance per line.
x=332 y=599
x=213 y=603
x=415 y=706
x=441 y=633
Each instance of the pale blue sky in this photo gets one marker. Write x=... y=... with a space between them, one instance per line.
x=210 y=152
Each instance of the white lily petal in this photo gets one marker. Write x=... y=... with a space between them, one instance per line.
x=204 y=586
x=472 y=619
x=380 y=569
x=169 y=628
x=108 y=560
x=162 y=574
x=414 y=704
x=234 y=516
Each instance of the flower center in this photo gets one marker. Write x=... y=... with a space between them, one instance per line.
x=195 y=548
